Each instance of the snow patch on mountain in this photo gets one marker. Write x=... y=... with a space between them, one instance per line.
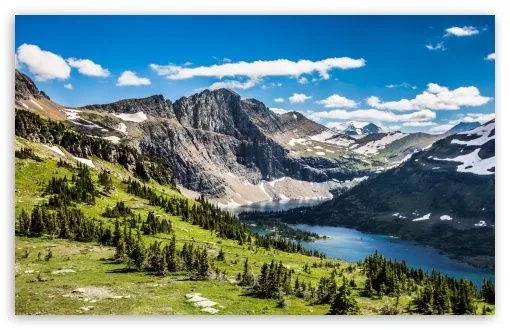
x=425 y=217
x=482 y=131
x=72 y=114
x=472 y=163
x=138 y=117
x=55 y=149
x=85 y=161
x=373 y=147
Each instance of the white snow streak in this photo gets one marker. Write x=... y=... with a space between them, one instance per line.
x=85 y=161
x=472 y=163
x=134 y=117
x=425 y=217
x=55 y=149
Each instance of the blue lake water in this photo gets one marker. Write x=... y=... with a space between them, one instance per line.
x=352 y=245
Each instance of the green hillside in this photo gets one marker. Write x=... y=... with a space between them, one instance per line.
x=69 y=259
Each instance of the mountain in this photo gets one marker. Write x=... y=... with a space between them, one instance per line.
x=233 y=150
x=27 y=96
x=371 y=129
x=463 y=127
x=442 y=196
x=354 y=128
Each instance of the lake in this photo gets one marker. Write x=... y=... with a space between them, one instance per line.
x=277 y=205
x=352 y=245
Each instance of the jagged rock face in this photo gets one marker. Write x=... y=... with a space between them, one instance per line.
x=25 y=87
x=155 y=105
x=220 y=133
x=219 y=111
x=295 y=120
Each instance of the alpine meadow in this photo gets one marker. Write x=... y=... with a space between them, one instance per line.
x=296 y=165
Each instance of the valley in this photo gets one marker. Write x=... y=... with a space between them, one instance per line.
x=129 y=208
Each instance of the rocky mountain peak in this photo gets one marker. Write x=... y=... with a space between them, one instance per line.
x=25 y=87
x=462 y=127
x=154 y=105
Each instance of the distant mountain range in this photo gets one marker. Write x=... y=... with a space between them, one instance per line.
x=234 y=150
x=441 y=196
x=463 y=127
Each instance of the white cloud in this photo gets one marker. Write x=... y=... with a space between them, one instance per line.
x=271 y=85
x=439 y=46
x=299 y=98
x=481 y=118
x=129 y=78
x=43 y=64
x=68 y=86
x=337 y=101
x=260 y=69
x=404 y=84
x=418 y=123
x=187 y=63
x=226 y=60
x=279 y=100
x=279 y=110
x=465 y=31
x=491 y=57
x=303 y=81
x=436 y=97
x=234 y=84
x=88 y=68
x=372 y=115
x=474 y=117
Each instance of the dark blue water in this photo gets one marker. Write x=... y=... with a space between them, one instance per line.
x=352 y=245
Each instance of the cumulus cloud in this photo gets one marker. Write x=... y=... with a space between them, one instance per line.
x=475 y=117
x=88 y=68
x=439 y=46
x=279 y=100
x=68 y=86
x=271 y=85
x=372 y=115
x=44 y=64
x=491 y=57
x=303 y=81
x=299 y=98
x=234 y=84
x=337 y=101
x=481 y=118
x=418 y=123
x=403 y=84
x=465 y=31
x=226 y=60
x=130 y=78
x=260 y=69
x=435 y=97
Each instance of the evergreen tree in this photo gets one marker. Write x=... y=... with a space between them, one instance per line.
x=488 y=291
x=343 y=303
x=247 y=278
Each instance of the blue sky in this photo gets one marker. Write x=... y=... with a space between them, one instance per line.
x=403 y=72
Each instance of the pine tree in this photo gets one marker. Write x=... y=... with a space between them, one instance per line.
x=247 y=278
x=221 y=256
x=343 y=303
x=120 y=250
x=488 y=292
x=137 y=255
